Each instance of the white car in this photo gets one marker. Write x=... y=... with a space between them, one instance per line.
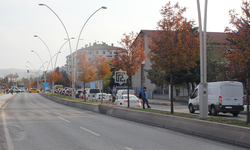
x=123 y=100
x=108 y=98
x=98 y=97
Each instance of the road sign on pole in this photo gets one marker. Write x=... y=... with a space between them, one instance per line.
x=46 y=85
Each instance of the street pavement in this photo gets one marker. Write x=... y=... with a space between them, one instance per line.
x=33 y=122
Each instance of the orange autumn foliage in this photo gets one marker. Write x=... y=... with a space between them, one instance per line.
x=54 y=76
x=85 y=68
x=130 y=56
x=102 y=66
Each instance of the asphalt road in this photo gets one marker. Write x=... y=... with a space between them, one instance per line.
x=184 y=109
x=35 y=123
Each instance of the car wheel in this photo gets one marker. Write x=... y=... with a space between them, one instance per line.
x=37 y=92
x=213 y=111
x=191 y=109
x=236 y=113
x=29 y=92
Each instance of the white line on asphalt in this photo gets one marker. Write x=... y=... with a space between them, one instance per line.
x=64 y=119
x=90 y=131
x=127 y=148
x=6 y=131
x=38 y=107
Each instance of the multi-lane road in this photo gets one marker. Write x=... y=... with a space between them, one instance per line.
x=32 y=122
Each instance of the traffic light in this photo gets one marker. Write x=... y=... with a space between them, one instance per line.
x=43 y=80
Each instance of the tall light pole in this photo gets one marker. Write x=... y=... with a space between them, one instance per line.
x=73 y=96
x=37 y=86
x=46 y=47
x=103 y=7
x=28 y=72
x=42 y=65
x=62 y=47
x=203 y=98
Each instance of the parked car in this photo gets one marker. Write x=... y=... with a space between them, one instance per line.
x=123 y=100
x=90 y=93
x=34 y=91
x=125 y=92
x=78 y=93
x=225 y=96
x=98 y=97
x=108 y=98
x=68 y=92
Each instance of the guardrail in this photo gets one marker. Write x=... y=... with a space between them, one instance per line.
x=216 y=131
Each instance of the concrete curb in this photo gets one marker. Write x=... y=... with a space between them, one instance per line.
x=216 y=131
x=4 y=102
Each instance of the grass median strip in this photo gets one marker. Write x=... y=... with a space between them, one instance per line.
x=185 y=115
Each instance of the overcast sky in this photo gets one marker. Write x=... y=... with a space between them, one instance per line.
x=20 y=20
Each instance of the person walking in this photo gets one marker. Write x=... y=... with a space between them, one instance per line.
x=144 y=97
x=114 y=92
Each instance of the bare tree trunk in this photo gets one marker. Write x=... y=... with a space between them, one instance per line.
x=84 y=92
x=171 y=94
x=128 y=90
x=248 y=121
x=102 y=93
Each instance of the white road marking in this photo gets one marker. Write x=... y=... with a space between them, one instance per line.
x=64 y=119
x=90 y=131
x=6 y=131
x=127 y=148
x=38 y=107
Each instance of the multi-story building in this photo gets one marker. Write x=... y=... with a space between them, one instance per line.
x=140 y=78
x=103 y=49
x=12 y=78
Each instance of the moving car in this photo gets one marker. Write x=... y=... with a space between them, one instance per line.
x=123 y=100
x=226 y=96
x=34 y=91
x=98 y=97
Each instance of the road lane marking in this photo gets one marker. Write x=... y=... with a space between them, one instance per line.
x=6 y=131
x=127 y=148
x=90 y=131
x=64 y=119
x=38 y=107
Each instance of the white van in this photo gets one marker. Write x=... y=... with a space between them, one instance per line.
x=225 y=96
x=90 y=93
x=125 y=92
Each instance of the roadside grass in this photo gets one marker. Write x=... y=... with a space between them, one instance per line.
x=212 y=119
x=70 y=99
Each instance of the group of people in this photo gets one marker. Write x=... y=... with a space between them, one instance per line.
x=6 y=91
x=143 y=96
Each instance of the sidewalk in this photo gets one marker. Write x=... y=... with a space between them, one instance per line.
x=5 y=97
x=180 y=103
x=166 y=102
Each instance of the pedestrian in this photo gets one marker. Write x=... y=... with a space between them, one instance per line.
x=144 y=97
x=114 y=92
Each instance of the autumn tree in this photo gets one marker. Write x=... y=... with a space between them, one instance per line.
x=129 y=56
x=53 y=76
x=175 y=44
x=102 y=69
x=237 y=50
x=86 y=70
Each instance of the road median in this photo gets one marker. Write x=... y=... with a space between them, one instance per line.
x=217 y=131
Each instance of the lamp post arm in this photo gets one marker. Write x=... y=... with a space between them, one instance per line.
x=47 y=48
x=84 y=26
x=41 y=60
x=60 y=50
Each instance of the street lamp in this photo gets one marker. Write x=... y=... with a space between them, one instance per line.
x=69 y=44
x=47 y=48
x=42 y=64
x=103 y=7
x=36 y=73
x=203 y=91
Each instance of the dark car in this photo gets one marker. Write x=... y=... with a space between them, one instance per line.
x=78 y=93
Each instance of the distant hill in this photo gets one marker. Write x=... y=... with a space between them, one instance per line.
x=21 y=72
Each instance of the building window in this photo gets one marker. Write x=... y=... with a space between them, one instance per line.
x=103 y=52
x=110 y=52
x=96 y=52
x=89 y=52
x=89 y=59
